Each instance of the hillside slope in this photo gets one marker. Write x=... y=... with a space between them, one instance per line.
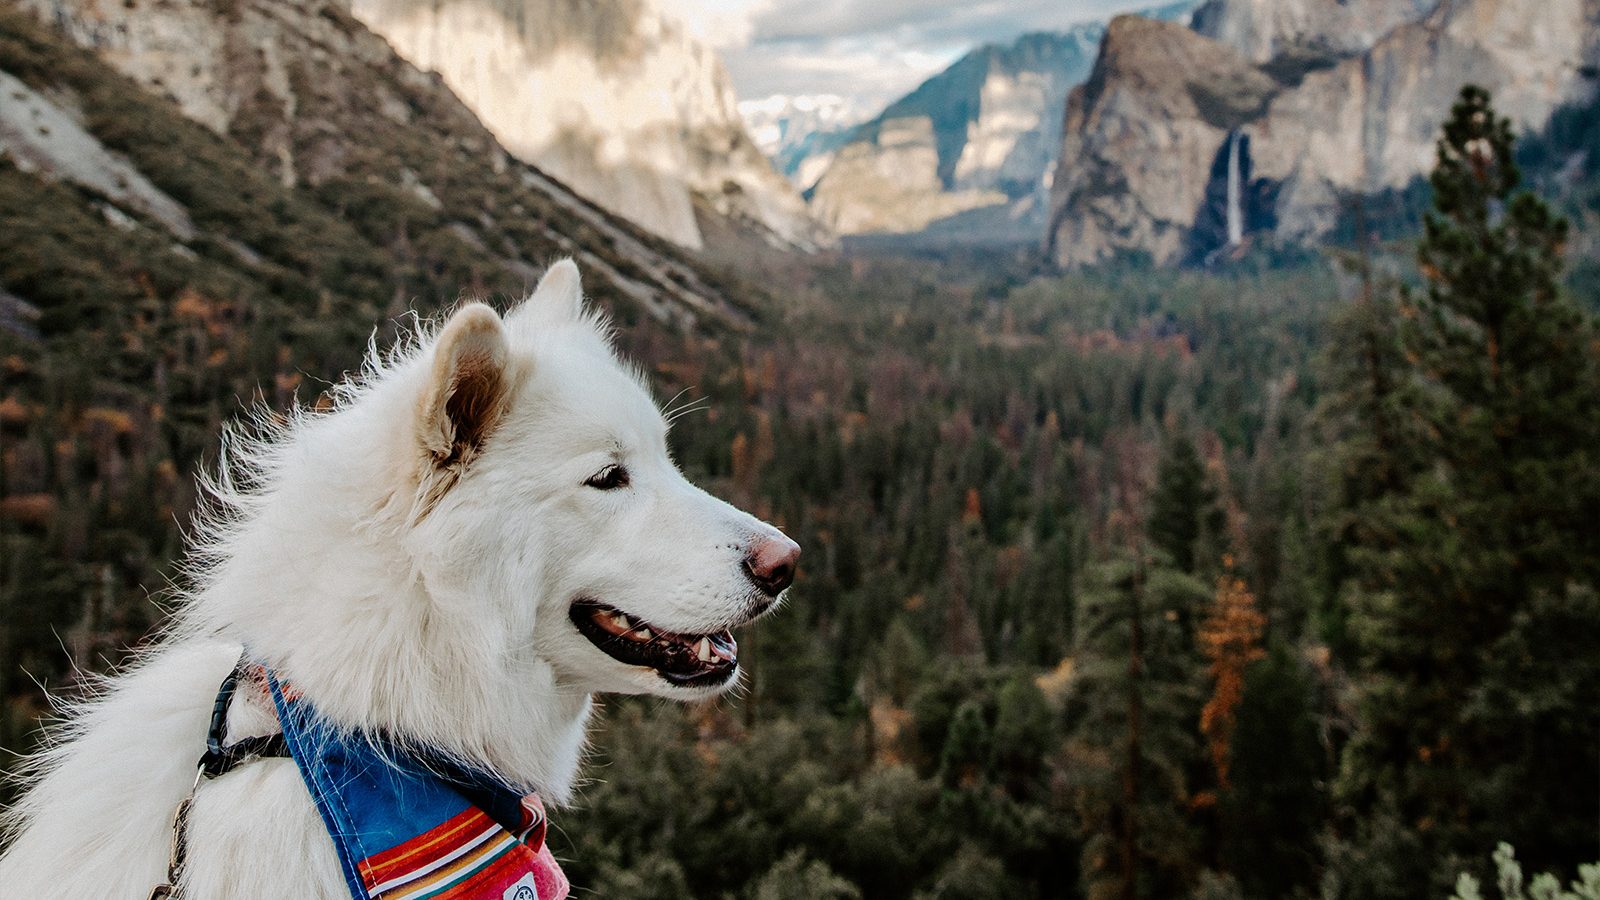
x=167 y=262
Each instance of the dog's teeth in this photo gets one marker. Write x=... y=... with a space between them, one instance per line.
x=621 y=621
x=705 y=650
x=645 y=634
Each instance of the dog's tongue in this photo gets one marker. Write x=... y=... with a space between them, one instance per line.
x=724 y=646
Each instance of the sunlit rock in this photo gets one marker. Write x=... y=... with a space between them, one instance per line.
x=616 y=98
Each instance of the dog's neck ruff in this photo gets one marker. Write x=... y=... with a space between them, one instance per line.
x=410 y=825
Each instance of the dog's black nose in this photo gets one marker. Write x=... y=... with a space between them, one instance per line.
x=771 y=563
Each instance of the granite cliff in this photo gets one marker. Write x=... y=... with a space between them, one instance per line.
x=968 y=155
x=615 y=98
x=1264 y=30
x=1287 y=111
x=981 y=134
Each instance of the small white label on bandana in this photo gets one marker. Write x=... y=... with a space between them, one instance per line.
x=524 y=889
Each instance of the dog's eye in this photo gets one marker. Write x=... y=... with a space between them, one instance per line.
x=609 y=479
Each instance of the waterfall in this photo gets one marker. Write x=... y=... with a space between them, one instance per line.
x=1235 y=188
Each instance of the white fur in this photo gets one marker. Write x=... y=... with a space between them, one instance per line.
x=437 y=615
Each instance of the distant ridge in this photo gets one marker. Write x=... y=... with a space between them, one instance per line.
x=970 y=150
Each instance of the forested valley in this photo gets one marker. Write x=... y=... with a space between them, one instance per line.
x=1273 y=581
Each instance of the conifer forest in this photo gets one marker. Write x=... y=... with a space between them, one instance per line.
x=1274 y=579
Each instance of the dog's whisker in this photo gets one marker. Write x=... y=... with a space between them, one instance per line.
x=697 y=406
x=678 y=413
x=668 y=407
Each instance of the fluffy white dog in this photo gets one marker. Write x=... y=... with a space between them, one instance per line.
x=486 y=530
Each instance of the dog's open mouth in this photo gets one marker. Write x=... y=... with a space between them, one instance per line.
x=690 y=660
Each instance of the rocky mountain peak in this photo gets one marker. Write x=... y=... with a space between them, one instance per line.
x=980 y=134
x=1141 y=137
x=1288 y=111
x=616 y=98
x=1176 y=71
x=966 y=156
x=1263 y=30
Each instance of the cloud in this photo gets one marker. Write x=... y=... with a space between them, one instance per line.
x=876 y=50
x=873 y=71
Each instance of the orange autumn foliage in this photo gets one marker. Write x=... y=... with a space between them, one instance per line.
x=972 y=509
x=1230 y=639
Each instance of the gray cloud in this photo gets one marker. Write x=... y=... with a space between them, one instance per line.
x=874 y=71
x=876 y=50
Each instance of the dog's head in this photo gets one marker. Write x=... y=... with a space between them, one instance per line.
x=545 y=493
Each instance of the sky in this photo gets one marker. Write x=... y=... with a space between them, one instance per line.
x=868 y=51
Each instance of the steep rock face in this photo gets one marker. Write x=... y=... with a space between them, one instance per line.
x=891 y=184
x=1263 y=30
x=332 y=113
x=613 y=97
x=980 y=134
x=1141 y=138
x=1369 y=123
x=1139 y=161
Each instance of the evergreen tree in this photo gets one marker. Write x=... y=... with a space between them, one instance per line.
x=966 y=749
x=1132 y=745
x=1474 y=535
x=1024 y=729
x=1182 y=504
x=1274 y=803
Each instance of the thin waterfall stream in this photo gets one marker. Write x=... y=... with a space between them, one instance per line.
x=1235 y=188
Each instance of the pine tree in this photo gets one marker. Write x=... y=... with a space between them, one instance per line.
x=1474 y=534
x=1378 y=440
x=1024 y=729
x=966 y=749
x=1274 y=803
x=1132 y=744
x=1182 y=503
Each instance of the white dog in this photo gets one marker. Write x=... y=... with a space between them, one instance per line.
x=485 y=531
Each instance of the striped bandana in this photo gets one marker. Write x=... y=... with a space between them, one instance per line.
x=409 y=827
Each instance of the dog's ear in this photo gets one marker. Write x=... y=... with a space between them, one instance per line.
x=468 y=388
x=558 y=298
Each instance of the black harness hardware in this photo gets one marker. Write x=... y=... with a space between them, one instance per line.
x=219 y=759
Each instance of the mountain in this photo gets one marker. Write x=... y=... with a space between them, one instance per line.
x=800 y=134
x=616 y=98
x=979 y=134
x=304 y=95
x=1263 y=30
x=969 y=153
x=1185 y=144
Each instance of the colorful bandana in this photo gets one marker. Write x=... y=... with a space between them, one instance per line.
x=409 y=827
